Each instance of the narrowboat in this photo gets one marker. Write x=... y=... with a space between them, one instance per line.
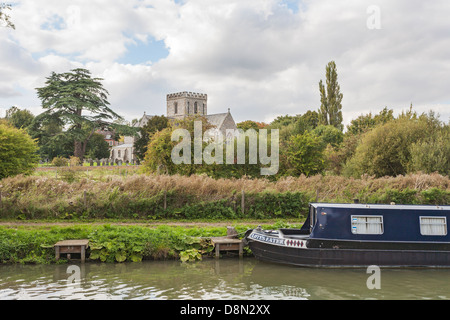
x=359 y=235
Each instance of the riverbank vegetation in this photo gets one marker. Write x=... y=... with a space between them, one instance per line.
x=112 y=243
x=81 y=195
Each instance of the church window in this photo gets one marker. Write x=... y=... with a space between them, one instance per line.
x=195 y=107
x=176 y=107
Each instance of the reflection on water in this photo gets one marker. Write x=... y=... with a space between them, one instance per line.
x=215 y=279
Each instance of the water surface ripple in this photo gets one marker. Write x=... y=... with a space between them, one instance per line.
x=211 y=279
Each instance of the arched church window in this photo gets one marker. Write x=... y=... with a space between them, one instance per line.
x=195 y=107
x=176 y=107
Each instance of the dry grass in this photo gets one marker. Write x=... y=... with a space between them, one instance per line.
x=328 y=187
x=134 y=195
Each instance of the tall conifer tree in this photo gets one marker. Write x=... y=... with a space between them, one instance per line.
x=330 y=112
x=80 y=102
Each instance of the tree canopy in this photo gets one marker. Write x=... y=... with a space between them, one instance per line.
x=304 y=154
x=78 y=100
x=330 y=111
x=19 y=118
x=154 y=124
x=17 y=151
x=406 y=144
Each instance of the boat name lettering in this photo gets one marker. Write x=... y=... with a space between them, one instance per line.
x=263 y=238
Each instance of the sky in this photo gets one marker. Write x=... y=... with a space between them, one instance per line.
x=260 y=58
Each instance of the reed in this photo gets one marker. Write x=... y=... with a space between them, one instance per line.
x=133 y=195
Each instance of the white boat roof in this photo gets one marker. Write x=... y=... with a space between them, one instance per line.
x=380 y=206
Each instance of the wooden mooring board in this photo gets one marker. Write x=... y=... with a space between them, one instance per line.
x=71 y=246
x=227 y=244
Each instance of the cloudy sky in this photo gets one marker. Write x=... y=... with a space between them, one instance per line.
x=260 y=58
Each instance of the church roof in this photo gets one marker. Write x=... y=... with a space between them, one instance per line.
x=216 y=119
x=143 y=121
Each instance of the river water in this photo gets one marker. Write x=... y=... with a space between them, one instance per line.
x=214 y=279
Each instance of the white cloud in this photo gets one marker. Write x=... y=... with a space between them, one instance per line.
x=257 y=57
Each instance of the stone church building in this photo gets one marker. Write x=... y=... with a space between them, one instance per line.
x=179 y=105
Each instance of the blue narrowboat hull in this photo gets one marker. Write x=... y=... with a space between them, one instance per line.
x=356 y=235
x=266 y=250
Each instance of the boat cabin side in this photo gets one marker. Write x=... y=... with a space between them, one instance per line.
x=360 y=222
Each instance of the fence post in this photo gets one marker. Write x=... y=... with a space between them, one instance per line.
x=165 y=200
x=243 y=201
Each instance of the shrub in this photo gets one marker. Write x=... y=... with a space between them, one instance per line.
x=68 y=174
x=74 y=161
x=305 y=155
x=17 y=152
x=432 y=154
x=385 y=150
x=60 y=162
x=435 y=196
x=406 y=196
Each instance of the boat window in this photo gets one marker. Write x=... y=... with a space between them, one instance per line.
x=367 y=224
x=433 y=226
x=312 y=216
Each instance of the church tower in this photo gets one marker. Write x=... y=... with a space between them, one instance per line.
x=186 y=103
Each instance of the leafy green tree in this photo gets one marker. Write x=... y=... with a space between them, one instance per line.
x=293 y=125
x=282 y=121
x=80 y=101
x=308 y=121
x=17 y=152
x=432 y=154
x=367 y=122
x=336 y=157
x=158 y=156
x=249 y=165
x=385 y=150
x=305 y=155
x=52 y=141
x=154 y=124
x=329 y=135
x=19 y=118
x=287 y=125
x=330 y=112
x=97 y=147
x=248 y=124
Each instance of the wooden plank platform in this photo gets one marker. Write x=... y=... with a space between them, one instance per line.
x=228 y=244
x=71 y=246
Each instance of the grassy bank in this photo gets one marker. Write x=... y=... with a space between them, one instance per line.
x=82 y=195
x=152 y=197
x=112 y=243
x=154 y=210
